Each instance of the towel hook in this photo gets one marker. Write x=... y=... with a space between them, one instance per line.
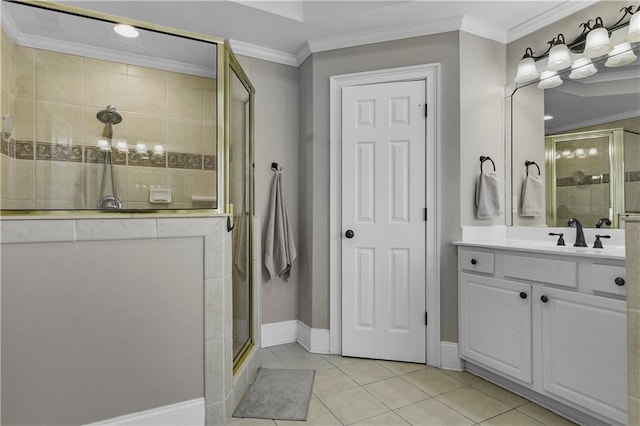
x=275 y=168
x=486 y=158
x=531 y=163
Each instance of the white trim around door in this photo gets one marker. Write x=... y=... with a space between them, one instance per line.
x=430 y=73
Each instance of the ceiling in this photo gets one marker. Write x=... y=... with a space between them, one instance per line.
x=291 y=30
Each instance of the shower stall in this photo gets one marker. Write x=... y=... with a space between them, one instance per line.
x=92 y=123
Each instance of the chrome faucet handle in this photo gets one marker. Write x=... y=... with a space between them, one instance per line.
x=597 y=243
x=560 y=239
x=603 y=221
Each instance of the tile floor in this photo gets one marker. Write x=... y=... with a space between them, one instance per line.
x=352 y=391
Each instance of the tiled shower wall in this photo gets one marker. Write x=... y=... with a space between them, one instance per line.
x=52 y=160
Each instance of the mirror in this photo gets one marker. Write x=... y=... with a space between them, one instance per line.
x=588 y=152
x=93 y=120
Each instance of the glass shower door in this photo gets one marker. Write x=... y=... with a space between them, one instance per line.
x=241 y=205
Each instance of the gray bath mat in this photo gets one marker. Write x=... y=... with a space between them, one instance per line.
x=278 y=394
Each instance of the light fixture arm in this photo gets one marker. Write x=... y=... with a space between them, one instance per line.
x=577 y=45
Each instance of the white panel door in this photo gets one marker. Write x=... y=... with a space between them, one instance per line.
x=584 y=350
x=383 y=227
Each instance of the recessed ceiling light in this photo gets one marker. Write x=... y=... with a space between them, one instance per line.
x=126 y=30
x=548 y=117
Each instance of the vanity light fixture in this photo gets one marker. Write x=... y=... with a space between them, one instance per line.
x=559 y=57
x=122 y=146
x=549 y=80
x=527 y=70
x=126 y=31
x=580 y=153
x=621 y=55
x=633 y=36
x=104 y=145
x=592 y=152
x=141 y=148
x=158 y=149
x=593 y=42
x=597 y=43
x=582 y=68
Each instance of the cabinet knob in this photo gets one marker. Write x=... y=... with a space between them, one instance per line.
x=473 y=261
x=544 y=298
x=523 y=295
x=619 y=281
x=349 y=233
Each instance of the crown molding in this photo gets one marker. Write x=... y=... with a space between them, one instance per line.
x=8 y=24
x=79 y=49
x=254 y=51
x=303 y=53
x=482 y=29
x=547 y=18
x=390 y=34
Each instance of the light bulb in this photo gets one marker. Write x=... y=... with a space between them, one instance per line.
x=579 y=152
x=122 y=146
x=593 y=151
x=158 y=149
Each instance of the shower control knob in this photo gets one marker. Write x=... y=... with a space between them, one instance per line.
x=349 y=234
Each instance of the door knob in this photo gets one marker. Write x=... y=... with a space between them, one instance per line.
x=349 y=233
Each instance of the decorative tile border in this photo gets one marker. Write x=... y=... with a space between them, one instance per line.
x=57 y=152
x=46 y=151
x=568 y=181
x=180 y=160
x=24 y=150
x=210 y=162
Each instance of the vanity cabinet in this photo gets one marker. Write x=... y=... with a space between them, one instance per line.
x=495 y=317
x=555 y=325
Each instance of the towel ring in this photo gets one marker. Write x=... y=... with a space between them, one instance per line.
x=531 y=163
x=483 y=159
x=275 y=168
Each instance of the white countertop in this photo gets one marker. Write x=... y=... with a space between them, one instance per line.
x=611 y=252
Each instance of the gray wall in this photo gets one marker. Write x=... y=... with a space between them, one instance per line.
x=315 y=73
x=95 y=330
x=276 y=139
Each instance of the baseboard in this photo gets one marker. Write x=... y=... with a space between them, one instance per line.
x=279 y=333
x=183 y=413
x=315 y=340
x=449 y=359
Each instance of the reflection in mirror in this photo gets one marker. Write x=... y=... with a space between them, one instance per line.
x=64 y=76
x=587 y=145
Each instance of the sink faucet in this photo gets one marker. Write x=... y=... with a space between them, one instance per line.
x=580 y=242
x=603 y=221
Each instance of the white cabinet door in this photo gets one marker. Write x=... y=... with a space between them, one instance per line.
x=584 y=350
x=495 y=324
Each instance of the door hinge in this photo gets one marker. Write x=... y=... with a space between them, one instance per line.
x=426 y=318
x=425 y=214
x=426 y=110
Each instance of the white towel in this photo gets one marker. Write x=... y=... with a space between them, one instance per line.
x=532 y=200
x=487 y=196
x=279 y=247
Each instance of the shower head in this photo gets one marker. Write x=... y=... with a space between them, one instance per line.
x=109 y=115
